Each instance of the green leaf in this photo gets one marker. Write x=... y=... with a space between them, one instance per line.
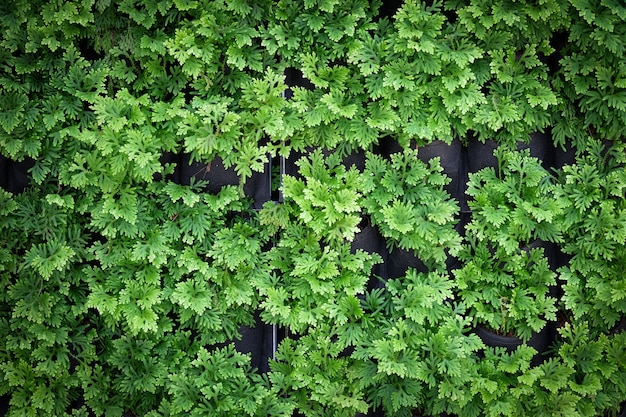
x=179 y=192
x=48 y=257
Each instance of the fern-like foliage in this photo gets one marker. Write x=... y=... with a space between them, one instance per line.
x=507 y=293
x=504 y=280
x=591 y=76
x=417 y=349
x=515 y=205
x=406 y=200
x=121 y=290
x=595 y=230
x=315 y=275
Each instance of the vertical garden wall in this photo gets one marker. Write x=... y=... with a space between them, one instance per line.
x=312 y=208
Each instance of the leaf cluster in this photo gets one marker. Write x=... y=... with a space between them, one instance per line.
x=406 y=200
x=506 y=293
x=315 y=275
x=591 y=75
x=416 y=352
x=568 y=383
x=504 y=280
x=515 y=205
x=122 y=290
x=594 y=223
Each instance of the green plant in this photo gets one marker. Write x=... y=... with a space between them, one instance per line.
x=504 y=281
x=595 y=368
x=497 y=384
x=508 y=293
x=122 y=292
x=515 y=205
x=517 y=22
x=584 y=377
x=314 y=37
x=315 y=285
x=516 y=40
x=591 y=78
x=75 y=293
x=414 y=352
x=594 y=225
x=145 y=273
x=220 y=383
x=47 y=333
x=315 y=371
x=406 y=200
x=315 y=276
x=423 y=71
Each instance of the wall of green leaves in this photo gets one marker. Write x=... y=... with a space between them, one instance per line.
x=312 y=208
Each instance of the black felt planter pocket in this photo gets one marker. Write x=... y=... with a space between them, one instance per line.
x=258 y=187
x=540 y=341
x=620 y=326
x=564 y=156
x=4 y=405
x=14 y=175
x=258 y=342
x=169 y=158
x=400 y=260
x=451 y=160
x=295 y=78
x=480 y=155
x=370 y=240
x=540 y=146
x=288 y=165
